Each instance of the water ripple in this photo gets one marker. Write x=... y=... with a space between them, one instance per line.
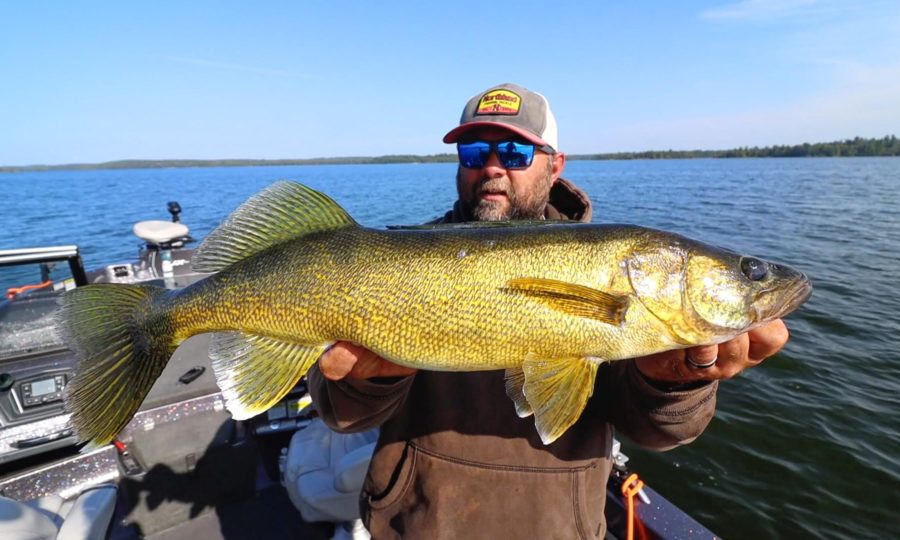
x=805 y=446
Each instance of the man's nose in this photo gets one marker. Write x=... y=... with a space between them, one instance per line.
x=492 y=167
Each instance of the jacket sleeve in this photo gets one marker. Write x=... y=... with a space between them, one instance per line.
x=353 y=405
x=651 y=417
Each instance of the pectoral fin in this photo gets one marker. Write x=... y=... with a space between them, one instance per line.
x=557 y=390
x=573 y=299
x=254 y=372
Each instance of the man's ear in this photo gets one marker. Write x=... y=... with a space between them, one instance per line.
x=559 y=164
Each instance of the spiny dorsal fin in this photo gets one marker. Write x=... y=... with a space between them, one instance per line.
x=573 y=299
x=254 y=372
x=557 y=390
x=281 y=212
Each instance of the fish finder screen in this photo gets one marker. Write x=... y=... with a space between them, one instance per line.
x=46 y=386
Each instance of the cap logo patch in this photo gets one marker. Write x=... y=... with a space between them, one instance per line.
x=499 y=102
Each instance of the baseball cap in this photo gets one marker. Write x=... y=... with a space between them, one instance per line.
x=513 y=107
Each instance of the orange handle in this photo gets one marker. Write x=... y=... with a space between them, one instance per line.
x=13 y=291
x=630 y=488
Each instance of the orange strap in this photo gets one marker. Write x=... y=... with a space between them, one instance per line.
x=13 y=291
x=630 y=488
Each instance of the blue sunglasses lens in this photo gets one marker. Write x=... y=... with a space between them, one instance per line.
x=512 y=155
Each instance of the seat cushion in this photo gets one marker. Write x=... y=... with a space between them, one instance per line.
x=324 y=471
x=18 y=521
x=90 y=515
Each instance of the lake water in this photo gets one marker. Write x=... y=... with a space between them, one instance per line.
x=805 y=446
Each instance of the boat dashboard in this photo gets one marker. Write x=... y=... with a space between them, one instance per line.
x=35 y=364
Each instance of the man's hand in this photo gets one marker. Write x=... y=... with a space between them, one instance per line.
x=732 y=357
x=747 y=350
x=348 y=359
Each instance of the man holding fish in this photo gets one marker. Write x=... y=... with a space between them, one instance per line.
x=421 y=330
x=456 y=458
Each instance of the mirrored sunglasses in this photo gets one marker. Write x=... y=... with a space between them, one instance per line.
x=512 y=154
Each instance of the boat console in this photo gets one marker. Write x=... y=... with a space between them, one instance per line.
x=35 y=365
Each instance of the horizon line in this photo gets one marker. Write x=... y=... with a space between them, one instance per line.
x=413 y=158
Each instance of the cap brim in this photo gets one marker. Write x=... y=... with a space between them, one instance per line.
x=454 y=134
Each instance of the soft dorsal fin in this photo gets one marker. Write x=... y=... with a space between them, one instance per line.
x=283 y=211
x=573 y=299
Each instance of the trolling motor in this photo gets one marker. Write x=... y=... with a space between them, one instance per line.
x=174 y=209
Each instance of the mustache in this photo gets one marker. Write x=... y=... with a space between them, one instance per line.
x=493 y=185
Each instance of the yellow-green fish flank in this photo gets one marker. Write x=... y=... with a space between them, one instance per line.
x=546 y=302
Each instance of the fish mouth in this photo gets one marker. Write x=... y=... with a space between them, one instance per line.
x=795 y=296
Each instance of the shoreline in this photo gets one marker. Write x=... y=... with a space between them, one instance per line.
x=858 y=147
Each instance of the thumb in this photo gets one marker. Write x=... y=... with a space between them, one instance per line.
x=338 y=361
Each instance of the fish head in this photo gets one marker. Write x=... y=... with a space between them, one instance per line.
x=705 y=294
x=739 y=292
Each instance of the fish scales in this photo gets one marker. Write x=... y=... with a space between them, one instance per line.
x=409 y=295
x=294 y=273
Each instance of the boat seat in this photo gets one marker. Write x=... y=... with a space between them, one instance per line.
x=324 y=473
x=158 y=231
x=86 y=516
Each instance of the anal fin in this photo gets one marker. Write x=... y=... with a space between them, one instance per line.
x=558 y=389
x=515 y=382
x=254 y=372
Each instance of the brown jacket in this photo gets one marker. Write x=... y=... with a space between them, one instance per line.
x=453 y=459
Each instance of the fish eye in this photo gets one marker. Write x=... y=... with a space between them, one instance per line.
x=754 y=269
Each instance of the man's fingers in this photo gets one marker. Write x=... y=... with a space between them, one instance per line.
x=390 y=369
x=730 y=358
x=367 y=365
x=704 y=354
x=668 y=366
x=768 y=339
x=345 y=359
x=734 y=350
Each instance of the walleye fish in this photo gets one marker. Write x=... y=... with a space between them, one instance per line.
x=548 y=303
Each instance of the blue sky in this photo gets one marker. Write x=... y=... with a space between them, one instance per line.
x=86 y=82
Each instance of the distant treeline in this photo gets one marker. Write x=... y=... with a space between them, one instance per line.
x=857 y=147
x=175 y=163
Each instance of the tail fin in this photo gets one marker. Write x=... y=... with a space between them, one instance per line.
x=119 y=358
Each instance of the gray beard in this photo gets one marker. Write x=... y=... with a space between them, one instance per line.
x=519 y=207
x=494 y=210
